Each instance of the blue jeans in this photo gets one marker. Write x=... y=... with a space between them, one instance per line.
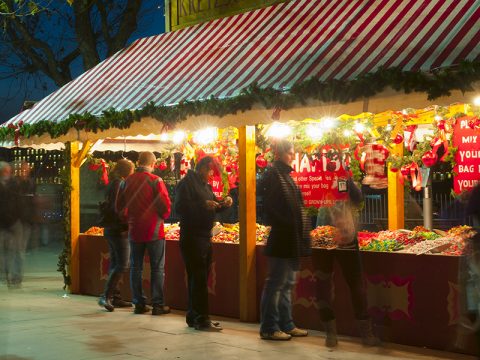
x=156 y=252
x=119 y=249
x=276 y=303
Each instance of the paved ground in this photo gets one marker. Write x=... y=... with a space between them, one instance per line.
x=38 y=322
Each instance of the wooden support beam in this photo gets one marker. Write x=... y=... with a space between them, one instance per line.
x=74 y=268
x=396 y=204
x=248 y=223
x=82 y=154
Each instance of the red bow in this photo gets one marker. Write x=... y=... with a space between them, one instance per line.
x=104 y=166
x=17 y=131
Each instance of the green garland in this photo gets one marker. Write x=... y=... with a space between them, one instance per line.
x=64 y=256
x=435 y=84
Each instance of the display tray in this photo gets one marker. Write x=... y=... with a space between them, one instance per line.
x=413 y=299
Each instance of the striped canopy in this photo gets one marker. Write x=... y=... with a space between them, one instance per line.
x=274 y=47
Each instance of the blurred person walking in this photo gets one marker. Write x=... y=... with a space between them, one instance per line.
x=196 y=204
x=116 y=233
x=27 y=189
x=342 y=217
x=144 y=199
x=289 y=240
x=11 y=237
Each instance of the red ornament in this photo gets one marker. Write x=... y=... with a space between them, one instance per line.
x=398 y=139
x=331 y=166
x=405 y=170
x=429 y=158
x=393 y=169
x=261 y=161
x=163 y=165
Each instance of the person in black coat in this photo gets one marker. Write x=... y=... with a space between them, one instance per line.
x=289 y=240
x=196 y=205
x=116 y=234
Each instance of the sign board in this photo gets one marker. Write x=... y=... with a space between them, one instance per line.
x=321 y=185
x=184 y=13
x=467 y=158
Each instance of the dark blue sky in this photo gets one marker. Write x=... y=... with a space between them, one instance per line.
x=14 y=91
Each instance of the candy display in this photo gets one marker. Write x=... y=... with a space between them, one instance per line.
x=417 y=241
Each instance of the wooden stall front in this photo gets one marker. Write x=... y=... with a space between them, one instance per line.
x=413 y=299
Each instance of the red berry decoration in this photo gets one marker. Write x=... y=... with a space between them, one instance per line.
x=331 y=166
x=393 y=169
x=405 y=170
x=429 y=158
x=163 y=165
x=261 y=161
x=398 y=139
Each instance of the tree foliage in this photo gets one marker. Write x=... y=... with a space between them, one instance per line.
x=59 y=38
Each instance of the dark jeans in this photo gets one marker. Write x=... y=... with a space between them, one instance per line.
x=276 y=303
x=350 y=263
x=119 y=249
x=156 y=253
x=197 y=261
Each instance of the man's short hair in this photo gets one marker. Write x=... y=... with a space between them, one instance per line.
x=204 y=162
x=146 y=158
x=282 y=147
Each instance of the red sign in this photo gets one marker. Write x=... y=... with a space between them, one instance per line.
x=319 y=181
x=217 y=186
x=467 y=142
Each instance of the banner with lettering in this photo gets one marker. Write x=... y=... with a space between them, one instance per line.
x=217 y=186
x=467 y=158
x=319 y=180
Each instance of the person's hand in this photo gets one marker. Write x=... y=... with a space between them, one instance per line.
x=227 y=202
x=211 y=205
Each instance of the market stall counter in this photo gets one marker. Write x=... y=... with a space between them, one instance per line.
x=413 y=299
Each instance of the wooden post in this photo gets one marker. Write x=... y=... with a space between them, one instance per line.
x=248 y=223
x=396 y=208
x=77 y=157
x=74 y=268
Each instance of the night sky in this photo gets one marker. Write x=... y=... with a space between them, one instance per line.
x=13 y=92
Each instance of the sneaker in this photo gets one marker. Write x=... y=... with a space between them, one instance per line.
x=160 y=310
x=119 y=303
x=104 y=302
x=276 y=335
x=141 y=309
x=296 y=332
x=209 y=326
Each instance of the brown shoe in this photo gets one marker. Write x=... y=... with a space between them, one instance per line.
x=296 y=332
x=276 y=335
x=160 y=310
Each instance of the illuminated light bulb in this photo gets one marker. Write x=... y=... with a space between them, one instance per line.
x=438 y=117
x=347 y=133
x=389 y=127
x=164 y=137
x=178 y=137
x=315 y=131
x=206 y=136
x=476 y=101
x=278 y=130
x=359 y=127
x=328 y=122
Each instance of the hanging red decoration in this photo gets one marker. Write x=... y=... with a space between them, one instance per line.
x=429 y=158
x=398 y=139
x=261 y=162
x=331 y=166
x=163 y=165
x=405 y=170
x=393 y=169
x=104 y=166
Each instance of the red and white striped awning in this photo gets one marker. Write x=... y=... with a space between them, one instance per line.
x=274 y=47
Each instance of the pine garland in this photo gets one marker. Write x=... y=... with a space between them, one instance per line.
x=436 y=83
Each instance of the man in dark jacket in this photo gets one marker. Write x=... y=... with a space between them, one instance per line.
x=143 y=197
x=196 y=204
x=289 y=240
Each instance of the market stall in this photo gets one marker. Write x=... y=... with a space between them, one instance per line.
x=303 y=70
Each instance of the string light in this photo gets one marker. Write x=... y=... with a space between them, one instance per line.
x=360 y=128
x=476 y=101
x=206 y=136
x=328 y=122
x=164 y=137
x=278 y=130
x=314 y=131
x=438 y=117
x=178 y=137
x=347 y=132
